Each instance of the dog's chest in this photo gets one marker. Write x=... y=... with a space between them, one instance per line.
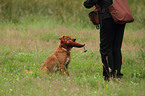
x=67 y=60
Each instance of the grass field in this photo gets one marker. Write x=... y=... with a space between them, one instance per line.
x=29 y=34
x=24 y=48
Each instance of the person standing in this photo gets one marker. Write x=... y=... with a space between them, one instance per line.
x=111 y=37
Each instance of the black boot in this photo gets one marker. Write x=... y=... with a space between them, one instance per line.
x=119 y=75
x=113 y=74
x=106 y=78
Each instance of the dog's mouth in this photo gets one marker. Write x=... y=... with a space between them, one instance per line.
x=72 y=43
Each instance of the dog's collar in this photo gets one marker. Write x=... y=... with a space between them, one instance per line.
x=68 y=53
x=64 y=49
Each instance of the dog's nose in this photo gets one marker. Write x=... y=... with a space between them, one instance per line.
x=74 y=39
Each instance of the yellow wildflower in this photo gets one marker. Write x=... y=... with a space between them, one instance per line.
x=21 y=48
x=2 y=90
x=116 y=79
x=64 y=72
x=5 y=78
x=11 y=74
x=106 y=86
x=139 y=74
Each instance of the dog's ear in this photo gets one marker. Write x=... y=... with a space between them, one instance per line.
x=60 y=38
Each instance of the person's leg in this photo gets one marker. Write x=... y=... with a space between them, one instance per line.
x=106 y=43
x=117 y=56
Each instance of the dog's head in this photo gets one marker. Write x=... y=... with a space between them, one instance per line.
x=69 y=42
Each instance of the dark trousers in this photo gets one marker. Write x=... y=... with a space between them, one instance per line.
x=111 y=36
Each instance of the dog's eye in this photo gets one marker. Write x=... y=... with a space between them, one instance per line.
x=68 y=38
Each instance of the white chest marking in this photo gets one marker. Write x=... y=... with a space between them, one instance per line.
x=67 y=60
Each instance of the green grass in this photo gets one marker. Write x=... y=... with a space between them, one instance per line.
x=26 y=46
x=29 y=32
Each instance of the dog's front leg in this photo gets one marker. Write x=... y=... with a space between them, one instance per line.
x=67 y=70
x=62 y=69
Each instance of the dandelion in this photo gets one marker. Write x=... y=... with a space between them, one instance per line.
x=106 y=86
x=64 y=72
x=2 y=90
x=21 y=48
x=10 y=79
x=139 y=74
x=11 y=74
x=5 y=78
x=116 y=79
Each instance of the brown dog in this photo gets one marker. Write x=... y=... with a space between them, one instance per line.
x=60 y=58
